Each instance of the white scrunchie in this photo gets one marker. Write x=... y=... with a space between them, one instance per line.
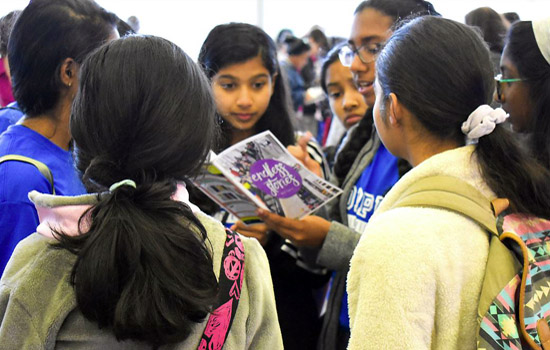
x=482 y=122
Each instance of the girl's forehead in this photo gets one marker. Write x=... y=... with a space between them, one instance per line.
x=249 y=68
x=370 y=25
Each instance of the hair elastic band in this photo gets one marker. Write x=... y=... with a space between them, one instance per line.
x=541 y=29
x=482 y=122
x=126 y=182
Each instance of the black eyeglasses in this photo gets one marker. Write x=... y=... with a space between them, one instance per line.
x=367 y=53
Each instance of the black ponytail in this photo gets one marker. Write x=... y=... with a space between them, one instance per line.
x=441 y=71
x=512 y=173
x=144 y=268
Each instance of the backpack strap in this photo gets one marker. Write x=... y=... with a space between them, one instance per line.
x=43 y=168
x=230 y=286
x=454 y=194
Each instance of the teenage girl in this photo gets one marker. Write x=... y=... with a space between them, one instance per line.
x=133 y=264
x=345 y=101
x=523 y=87
x=364 y=169
x=241 y=62
x=48 y=43
x=417 y=272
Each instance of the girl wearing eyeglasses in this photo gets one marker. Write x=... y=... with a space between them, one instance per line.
x=523 y=87
x=416 y=274
x=364 y=169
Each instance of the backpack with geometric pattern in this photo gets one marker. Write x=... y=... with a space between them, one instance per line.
x=514 y=305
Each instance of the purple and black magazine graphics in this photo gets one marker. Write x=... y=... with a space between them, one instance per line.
x=260 y=173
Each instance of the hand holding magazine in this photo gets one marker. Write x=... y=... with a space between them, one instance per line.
x=260 y=173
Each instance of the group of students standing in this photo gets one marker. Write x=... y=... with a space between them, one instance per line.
x=127 y=254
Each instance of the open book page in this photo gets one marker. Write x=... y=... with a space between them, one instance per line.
x=269 y=172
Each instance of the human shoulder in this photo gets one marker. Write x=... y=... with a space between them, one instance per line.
x=414 y=232
x=17 y=179
x=36 y=283
x=217 y=235
x=35 y=260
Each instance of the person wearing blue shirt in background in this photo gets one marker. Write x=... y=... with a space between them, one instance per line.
x=9 y=115
x=10 y=112
x=63 y=32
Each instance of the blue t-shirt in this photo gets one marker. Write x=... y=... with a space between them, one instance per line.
x=9 y=115
x=18 y=216
x=369 y=190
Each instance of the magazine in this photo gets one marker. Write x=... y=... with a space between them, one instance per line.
x=260 y=173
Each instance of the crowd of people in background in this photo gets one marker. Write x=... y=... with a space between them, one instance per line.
x=106 y=243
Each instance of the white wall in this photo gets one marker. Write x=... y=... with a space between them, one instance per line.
x=187 y=22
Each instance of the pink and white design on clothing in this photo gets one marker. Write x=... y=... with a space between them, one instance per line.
x=231 y=282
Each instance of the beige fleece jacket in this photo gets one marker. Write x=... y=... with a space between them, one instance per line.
x=416 y=274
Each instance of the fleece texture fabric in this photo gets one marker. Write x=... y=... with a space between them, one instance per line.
x=416 y=273
x=38 y=307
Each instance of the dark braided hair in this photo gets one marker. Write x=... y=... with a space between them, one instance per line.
x=358 y=138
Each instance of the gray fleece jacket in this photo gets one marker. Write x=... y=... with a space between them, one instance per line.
x=38 y=307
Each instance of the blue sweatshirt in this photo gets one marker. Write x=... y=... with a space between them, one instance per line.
x=9 y=115
x=18 y=217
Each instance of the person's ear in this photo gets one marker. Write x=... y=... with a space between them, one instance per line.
x=68 y=72
x=396 y=110
x=273 y=81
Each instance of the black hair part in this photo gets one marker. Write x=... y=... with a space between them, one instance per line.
x=441 y=72
x=233 y=43
x=524 y=52
x=144 y=269
x=46 y=33
x=399 y=9
x=491 y=26
x=6 y=25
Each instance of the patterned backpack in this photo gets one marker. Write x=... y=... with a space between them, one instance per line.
x=514 y=305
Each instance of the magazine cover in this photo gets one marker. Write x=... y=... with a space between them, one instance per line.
x=261 y=169
x=234 y=198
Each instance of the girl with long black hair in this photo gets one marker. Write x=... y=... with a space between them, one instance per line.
x=134 y=264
